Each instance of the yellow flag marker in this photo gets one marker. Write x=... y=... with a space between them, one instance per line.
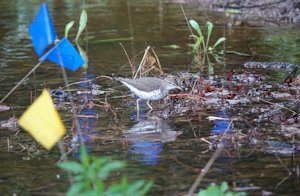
x=42 y=121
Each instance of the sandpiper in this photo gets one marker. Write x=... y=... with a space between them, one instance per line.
x=149 y=88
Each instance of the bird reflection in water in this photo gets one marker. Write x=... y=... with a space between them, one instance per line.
x=146 y=139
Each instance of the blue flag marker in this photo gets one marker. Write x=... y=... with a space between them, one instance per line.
x=42 y=30
x=43 y=34
x=64 y=54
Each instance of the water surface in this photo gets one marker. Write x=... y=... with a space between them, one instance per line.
x=171 y=152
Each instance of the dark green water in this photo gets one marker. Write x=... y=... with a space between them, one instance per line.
x=174 y=151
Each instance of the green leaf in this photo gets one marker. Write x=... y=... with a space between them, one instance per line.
x=75 y=189
x=84 y=156
x=134 y=187
x=80 y=177
x=106 y=169
x=140 y=187
x=146 y=187
x=230 y=194
x=172 y=46
x=119 y=187
x=68 y=28
x=97 y=162
x=99 y=186
x=195 y=26
x=224 y=186
x=219 y=41
x=71 y=166
x=82 y=24
x=209 y=28
x=90 y=193
x=233 y=11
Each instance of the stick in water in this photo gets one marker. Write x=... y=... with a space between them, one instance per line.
x=21 y=81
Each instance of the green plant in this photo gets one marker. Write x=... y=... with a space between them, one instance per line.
x=81 y=27
x=82 y=24
x=91 y=177
x=201 y=45
x=221 y=190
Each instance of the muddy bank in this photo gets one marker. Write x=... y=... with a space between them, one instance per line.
x=257 y=12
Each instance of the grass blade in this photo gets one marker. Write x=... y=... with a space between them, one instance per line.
x=68 y=28
x=82 y=24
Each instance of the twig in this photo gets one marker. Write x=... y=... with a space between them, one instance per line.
x=21 y=81
x=206 y=141
x=23 y=147
x=142 y=62
x=205 y=170
x=269 y=102
x=225 y=132
x=129 y=61
x=87 y=116
x=148 y=70
x=283 y=107
x=188 y=96
x=287 y=169
x=248 y=188
x=196 y=81
x=66 y=154
x=80 y=82
x=208 y=165
x=186 y=166
x=158 y=62
x=187 y=21
x=106 y=105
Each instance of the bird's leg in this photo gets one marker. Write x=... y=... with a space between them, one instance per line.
x=148 y=103
x=137 y=109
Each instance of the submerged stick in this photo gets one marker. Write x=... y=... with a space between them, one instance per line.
x=208 y=165
x=21 y=81
x=205 y=170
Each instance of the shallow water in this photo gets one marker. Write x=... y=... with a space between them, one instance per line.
x=169 y=153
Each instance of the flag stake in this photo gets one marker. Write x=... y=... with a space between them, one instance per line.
x=70 y=96
x=21 y=81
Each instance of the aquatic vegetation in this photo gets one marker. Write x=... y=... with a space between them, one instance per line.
x=221 y=190
x=68 y=28
x=201 y=46
x=81 y=27
x=91 y=175
x=82 y=24
x=235 y=95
